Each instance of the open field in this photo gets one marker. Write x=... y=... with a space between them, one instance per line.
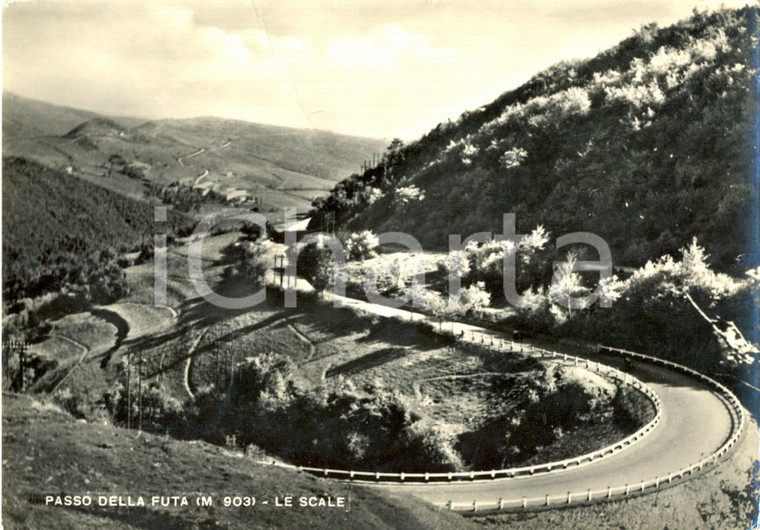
x=87 y=329
x=142 y=319
x=58 y=348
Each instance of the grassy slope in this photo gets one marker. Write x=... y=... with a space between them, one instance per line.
x=322 y=154
x=87 y=329
x=46 y=451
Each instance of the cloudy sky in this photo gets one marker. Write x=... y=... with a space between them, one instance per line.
x=377 y=68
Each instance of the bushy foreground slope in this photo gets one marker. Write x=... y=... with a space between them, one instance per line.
x=46 y=452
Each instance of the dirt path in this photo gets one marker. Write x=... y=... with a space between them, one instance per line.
x=201 y=177
x=191 y=155
x=85 y=353
x=189 y=362
x=304 y=339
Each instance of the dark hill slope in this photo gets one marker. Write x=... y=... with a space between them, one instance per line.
x=97 y=127
x=648 y=144
x=51 y=218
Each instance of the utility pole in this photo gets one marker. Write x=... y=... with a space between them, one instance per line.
x=232 y=374
x=19 y=380
x=234 y=369
x=129 y=390
x=22 y=347
x=6 y=354
x=139 y=398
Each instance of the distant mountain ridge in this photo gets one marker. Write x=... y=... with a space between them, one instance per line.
x=27 y=117
x=275 y=166
x=648 y=145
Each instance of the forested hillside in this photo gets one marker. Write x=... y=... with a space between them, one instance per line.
x=58 y=229
x=648 y=144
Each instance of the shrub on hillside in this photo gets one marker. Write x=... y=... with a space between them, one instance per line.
x=529 y=255
x=134 y=399
x=551 y=405
x=361 y=245
x=82 y=404
x=247 y=261
x=683 y=306
x=252 y=231
x=317 y=262
x=335 y=425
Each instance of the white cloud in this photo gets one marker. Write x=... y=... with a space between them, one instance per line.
x=387 y=47
x=172 y=15
x=376 y=67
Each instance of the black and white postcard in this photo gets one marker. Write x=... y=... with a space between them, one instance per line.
x=427 y=264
